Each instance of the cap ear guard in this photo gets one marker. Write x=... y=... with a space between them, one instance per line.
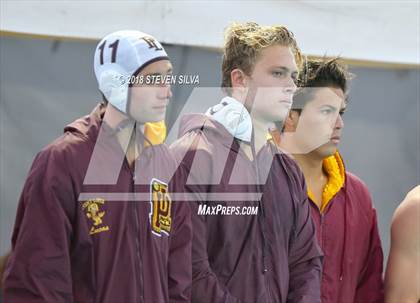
x=114 y=86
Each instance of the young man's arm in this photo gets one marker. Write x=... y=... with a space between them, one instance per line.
x=402 y=280
x=305 y=256
x=38 y=269
x=370 y=285
x=206 y=288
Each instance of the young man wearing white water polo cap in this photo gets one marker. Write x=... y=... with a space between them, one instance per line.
x=96 y=222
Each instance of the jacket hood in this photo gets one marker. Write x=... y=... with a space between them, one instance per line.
x=194 y=122
x=88 y=127
x=334 y=167
x=233 y=115
x=229 y=118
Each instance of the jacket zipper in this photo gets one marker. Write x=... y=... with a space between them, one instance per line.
x=322 y=219
x=321 y=230
x=139 y=258
x=261 y=205
x=137 y=240
x=263 y=231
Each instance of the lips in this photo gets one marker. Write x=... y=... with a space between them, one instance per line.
x=335 y=139
x=160 y=107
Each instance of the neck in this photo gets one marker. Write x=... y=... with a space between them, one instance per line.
x=260 y=133
x=126 y=136
x=113 y=117
x=311 y=166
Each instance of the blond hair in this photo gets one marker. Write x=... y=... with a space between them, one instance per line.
x=244 y=42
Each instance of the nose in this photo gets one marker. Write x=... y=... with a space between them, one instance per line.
x=290 y=87
x=166 y=92
x=339 y=123
x=169 y=93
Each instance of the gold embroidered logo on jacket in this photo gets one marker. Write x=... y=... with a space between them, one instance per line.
x=93 y=212
x=160 y=208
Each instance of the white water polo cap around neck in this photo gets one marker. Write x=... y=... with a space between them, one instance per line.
x=233 y=115
x=118 y=57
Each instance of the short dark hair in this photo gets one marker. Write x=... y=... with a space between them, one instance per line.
x=320 y=73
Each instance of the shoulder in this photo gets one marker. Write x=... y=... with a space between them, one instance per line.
x=413 y=198
x=356 y=182
x=407 y=213
x=406 y=223
x=51 y=179
x=291 y=168
x=292 y=173
x=58 y=158
x=195 y=141
x=53 y=152
x=68 y=144
x=358 y=189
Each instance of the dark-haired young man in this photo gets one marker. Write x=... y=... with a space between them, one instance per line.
x=341 y=205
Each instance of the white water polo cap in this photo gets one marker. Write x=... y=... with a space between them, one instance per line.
x=118 y=57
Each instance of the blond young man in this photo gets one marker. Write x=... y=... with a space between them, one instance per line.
x=271 y=256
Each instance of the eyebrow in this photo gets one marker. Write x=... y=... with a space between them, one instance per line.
x=329 y=106
x=286 y=69
x=158 y=73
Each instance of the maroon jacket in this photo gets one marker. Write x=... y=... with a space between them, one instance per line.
x=347 y=231
x=107 y=243
x=269 y=257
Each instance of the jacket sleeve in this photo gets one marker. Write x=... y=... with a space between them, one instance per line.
x=370 y=285
x=305 y=257
x=179 y=265
x=206 y=288
x=38 y=269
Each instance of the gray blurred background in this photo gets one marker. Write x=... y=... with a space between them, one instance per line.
x=45 y=84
